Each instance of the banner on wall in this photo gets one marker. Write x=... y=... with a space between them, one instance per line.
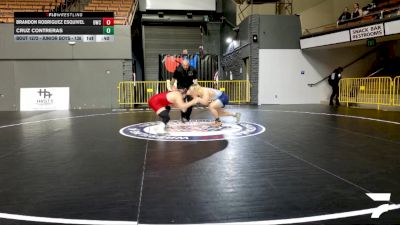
x=360 y=33
x=44 y=98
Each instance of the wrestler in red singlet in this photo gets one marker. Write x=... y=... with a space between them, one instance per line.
x=158 y=101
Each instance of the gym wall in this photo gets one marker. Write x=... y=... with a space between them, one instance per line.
x=82 y=67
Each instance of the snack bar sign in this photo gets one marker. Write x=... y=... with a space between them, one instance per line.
x=360 y=33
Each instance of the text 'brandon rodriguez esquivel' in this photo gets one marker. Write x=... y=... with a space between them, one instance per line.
x=49 y=22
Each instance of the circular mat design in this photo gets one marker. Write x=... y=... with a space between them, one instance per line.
x=195 y=130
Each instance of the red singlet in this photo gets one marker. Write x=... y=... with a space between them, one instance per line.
x=158 y=101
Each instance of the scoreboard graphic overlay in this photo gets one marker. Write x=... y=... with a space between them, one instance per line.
x=71 y=27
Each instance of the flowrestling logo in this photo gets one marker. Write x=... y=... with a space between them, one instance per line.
x=196 y=130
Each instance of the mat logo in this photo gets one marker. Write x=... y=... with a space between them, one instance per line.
x=380 y=197
x=197 y=130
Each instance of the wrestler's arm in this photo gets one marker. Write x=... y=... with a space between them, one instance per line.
x=205 y=99
x=179 y=103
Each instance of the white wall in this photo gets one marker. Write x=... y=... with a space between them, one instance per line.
x=81 y=67
x=324 y=60
x=280 y=72
x=90 y=85
x=281 y=81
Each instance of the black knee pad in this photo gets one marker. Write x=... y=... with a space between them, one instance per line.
x=164 y=116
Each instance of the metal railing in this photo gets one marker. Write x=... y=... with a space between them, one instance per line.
x=131 y=93
x=238 y=91
x=375 y=91
x=132 y=12
x=396 y=91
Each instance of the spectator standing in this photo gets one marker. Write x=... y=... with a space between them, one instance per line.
x=357 y=12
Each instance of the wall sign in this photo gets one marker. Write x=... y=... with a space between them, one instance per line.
x=44 y=98
x=360 y=33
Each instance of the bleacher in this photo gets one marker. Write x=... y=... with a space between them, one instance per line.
x=386 y=4
x=122 y=9
x=8 y=7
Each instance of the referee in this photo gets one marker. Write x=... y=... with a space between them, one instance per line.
x=186 y=75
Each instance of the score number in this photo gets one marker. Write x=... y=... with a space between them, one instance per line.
x=108 y=30
x=108 y=26
x=108 y=21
